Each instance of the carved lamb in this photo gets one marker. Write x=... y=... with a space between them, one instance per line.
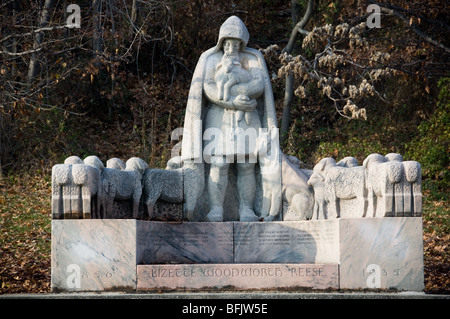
x=122 y=185
x=394 y=186
x=75 y=187
x=381 y=177
x=340 y=183
x=164 y=184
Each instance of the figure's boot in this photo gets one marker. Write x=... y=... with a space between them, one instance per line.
x=246 y=183
x=215 y=214
x=217 y=186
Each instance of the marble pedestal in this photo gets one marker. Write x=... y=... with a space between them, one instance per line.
x=99 y=255
x=93 y=255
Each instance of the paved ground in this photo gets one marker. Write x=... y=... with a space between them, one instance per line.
x=237 y=296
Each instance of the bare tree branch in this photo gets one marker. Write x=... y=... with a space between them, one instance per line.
x=33 y=32
x=299 y=27
x=395 y=11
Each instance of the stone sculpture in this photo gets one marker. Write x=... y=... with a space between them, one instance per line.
x=233 y=169
x=116 y=163
x=163 y=184
x=122 y=185
x=230 y=72
x=348 y=161
x=249 y=91
x=75 y=188
x=87 y=177
x=61 y=179
x=341 y=183
x=391 y=183
x=296 y=191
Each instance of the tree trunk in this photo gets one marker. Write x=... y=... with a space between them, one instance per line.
x=44 y=19
x=97 y=40
x=288 y=96
x=134 y=18
x=289 y=89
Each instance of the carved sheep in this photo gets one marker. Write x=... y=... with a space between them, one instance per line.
x=408 y=190
x=381 y=177
x=412 y=188
x=123 y=185
x=193 y=183
x=64 y=190
x=77 y=182
x=164 y=184
x=340 y=183
x=61 y=179
x=88 y=177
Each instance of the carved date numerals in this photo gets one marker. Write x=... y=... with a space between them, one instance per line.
x=374 y=273
x=73 y=280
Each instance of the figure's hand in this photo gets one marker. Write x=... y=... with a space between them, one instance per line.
x=244 y=103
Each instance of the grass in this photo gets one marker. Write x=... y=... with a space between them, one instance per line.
x=25 y=239
x=436 y=239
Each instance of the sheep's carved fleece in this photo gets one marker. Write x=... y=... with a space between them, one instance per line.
x=384 y=186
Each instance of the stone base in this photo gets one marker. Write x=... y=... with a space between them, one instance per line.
x=99 y=255
x=237 y=277
x=93 y=255
x=381 y=253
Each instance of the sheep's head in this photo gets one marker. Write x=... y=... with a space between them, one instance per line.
x=136 y=164
x=316 y=178
x=73 y=160
x=373 y=158
x=115 y=163
x=94 y=161
x=348 y=161
x=323 y=164
x=174 y=163
x=391 y=157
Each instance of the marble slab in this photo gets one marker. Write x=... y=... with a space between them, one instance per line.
x=287 y=242
x=93 y=255
x=236 y=276
x=381 y=253
x=101 y=255
x=184 y=243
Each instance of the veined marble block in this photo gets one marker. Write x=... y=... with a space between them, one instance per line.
x=99 y=255
x=184 y=243
x=93 y=255
x=289 y=242
x=237 y=276
x=381 y=253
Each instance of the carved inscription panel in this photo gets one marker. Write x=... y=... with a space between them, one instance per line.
x=293 y=242
x=237 y=276
x=162 y=243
